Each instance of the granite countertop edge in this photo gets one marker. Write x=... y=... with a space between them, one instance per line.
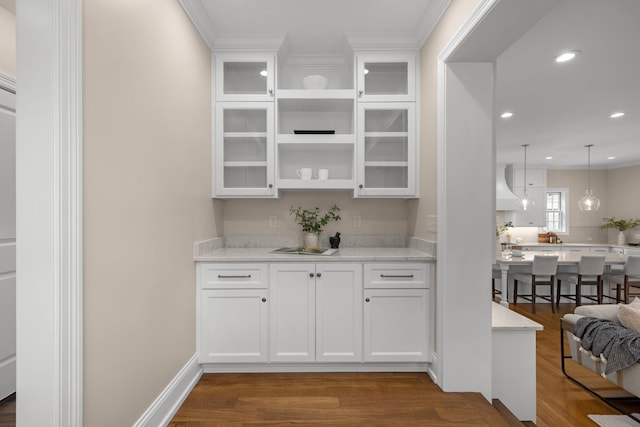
x=343 y=255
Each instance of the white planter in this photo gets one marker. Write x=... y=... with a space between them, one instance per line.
x=622 y=239
x=310 y=240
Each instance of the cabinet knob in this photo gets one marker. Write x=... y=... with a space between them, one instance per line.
x=360 y=92
x=367 y=299
x=361 y=186
x=319 y=275
x=270 y=185
x=311 y=274
x=264 y=300
x=271 y=92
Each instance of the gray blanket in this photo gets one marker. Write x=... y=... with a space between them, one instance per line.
x=619 y=346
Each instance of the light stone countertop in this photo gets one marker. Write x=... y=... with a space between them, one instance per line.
x=343 y=255
x=503 y=319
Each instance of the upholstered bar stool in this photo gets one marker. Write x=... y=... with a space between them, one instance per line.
x=495 y=274
x=542 y=273
x=625 y=279
x=590 y=270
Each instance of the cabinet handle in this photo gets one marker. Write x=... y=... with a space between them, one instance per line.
x=367 y=299
x=220 y=276
x=311 y=274
x=319 y=275
x=405 y=276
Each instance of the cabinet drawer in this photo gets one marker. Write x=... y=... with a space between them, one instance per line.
x=232 y=276
x=396 y=275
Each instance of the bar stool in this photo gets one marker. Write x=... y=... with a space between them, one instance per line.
x=542 y=273
x=629 y=277
x=590 y=269
x=495 y=274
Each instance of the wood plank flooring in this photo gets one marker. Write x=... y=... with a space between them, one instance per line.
x=377 y=399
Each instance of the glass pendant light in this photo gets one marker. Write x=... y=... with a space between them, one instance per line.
x=525 y=202
x=589 y=202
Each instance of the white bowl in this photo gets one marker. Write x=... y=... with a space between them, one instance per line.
x=315 y=82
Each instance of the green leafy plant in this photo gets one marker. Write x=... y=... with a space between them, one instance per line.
x=313 y=220
x=620 y=224
x=502 y=228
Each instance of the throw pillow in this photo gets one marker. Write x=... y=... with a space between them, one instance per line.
x=629 y=316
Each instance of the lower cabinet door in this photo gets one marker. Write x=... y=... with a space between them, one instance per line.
x=233 y=326
x=339 y=312
x=396 y=325
x=292 y=312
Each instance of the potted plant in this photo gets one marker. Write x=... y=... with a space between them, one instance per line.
x=621 y=225
x=313 y=222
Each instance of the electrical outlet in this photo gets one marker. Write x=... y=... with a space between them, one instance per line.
x=273 y=221
x=357 y=221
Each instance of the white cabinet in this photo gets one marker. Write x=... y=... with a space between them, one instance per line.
x=396 y=313
x=232 y=313
x=244 y=149
x=315 y=312
x=386 y=149
x=386 y=77
x=244 y=76
x=536 y=189
x=536 y=177
x=315 y=129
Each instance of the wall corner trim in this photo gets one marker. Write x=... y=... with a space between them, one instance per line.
x=168 y=402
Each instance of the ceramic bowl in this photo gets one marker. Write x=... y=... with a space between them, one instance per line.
x=315 y=82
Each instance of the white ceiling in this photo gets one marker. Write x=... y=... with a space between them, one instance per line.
x=558 y=108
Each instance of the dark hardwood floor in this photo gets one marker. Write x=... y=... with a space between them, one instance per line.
x=378 y=399
x=8 y=411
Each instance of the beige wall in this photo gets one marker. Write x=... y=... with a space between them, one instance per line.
x=7 y=42
x=146 y=200
x=422 y=211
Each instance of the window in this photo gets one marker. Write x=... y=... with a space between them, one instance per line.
x=556 y=210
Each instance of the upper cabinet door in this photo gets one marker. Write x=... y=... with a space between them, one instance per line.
x=244 y=77
x=386 y=77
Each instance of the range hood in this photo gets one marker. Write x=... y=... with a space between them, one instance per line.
x=505 y=199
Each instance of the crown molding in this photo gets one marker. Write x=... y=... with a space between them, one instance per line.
x=7 y=83
x=432 y=15
x=200 y=19
x=249 y=42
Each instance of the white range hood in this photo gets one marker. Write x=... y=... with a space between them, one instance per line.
x=505 y=199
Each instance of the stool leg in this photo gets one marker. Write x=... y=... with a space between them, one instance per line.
x=578 y=289
x=533 y=294
x=515 y=292
x=551 y=291
x=558 y=293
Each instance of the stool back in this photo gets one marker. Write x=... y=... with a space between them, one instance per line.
x=591 y=265
x=544 y=265
x=632 y=266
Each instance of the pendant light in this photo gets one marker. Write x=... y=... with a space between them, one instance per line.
x=525 y=202
x=589 y=202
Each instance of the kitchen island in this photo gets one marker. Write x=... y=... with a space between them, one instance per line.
x=359 y=309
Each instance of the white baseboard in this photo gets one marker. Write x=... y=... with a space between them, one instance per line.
x=168 y=402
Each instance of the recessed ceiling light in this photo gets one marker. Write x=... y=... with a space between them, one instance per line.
x=506 y=114
x=611 y=157
x=548 y=158
x=617 y=114
x=263 y=73
x=567 y=56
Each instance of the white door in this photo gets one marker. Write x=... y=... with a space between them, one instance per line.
x=233 y=325
x=292 y=312
x=338 y=312
x=7 y=243
x=396 y=325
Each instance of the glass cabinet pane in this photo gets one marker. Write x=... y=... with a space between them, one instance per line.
x=245 y=77
x=386 y=78
x=245 y=177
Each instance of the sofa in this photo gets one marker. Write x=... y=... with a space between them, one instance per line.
x=625 y=315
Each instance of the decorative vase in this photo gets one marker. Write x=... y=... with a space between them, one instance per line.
x=310 y=240
x=498 y=247
x=622 y=239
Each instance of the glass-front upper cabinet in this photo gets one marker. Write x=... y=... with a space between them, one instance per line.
x=244 y=150
x=386 y=150
x=244 y=77
x=386 y=77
